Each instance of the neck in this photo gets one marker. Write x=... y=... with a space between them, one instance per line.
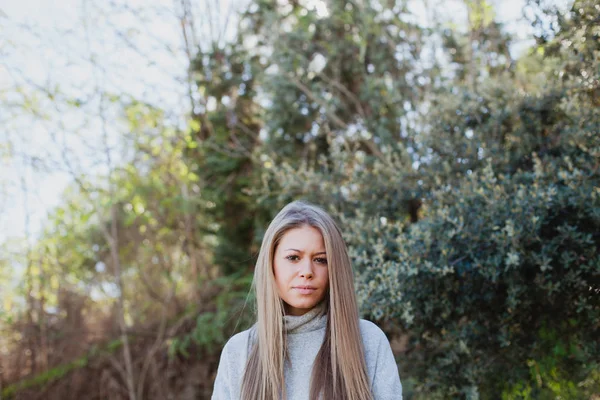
x=314 y=319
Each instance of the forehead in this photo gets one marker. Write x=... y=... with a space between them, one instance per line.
x=301 y=238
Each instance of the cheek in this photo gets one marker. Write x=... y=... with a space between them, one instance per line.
x=281 y=274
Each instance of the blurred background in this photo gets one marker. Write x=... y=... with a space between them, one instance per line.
x=145 y=146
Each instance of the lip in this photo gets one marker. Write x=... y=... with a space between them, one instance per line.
x=305 y=289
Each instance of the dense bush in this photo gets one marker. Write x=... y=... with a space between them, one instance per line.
x=496 y=264
x=495 y=280
x=481 y=240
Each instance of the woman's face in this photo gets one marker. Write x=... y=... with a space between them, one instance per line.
x=300 y=268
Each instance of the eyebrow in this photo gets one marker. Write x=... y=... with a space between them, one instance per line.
x=299 y=251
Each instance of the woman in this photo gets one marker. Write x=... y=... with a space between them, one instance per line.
x=308 y=342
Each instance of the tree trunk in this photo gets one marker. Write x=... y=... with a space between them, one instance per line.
x=114 y=252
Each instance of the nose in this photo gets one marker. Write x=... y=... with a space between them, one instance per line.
x=306 y=270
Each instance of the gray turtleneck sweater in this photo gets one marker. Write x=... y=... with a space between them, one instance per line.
x=305 y=335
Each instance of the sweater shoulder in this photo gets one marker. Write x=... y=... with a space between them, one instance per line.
x=238 y=343
x=369 y=328
x=372 y=335
x=231 y=367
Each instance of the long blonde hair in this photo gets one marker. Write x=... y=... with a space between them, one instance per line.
x=339 y=370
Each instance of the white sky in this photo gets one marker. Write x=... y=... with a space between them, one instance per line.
x=66 y=35
x=64 y=28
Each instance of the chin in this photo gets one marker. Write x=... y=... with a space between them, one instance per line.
x=306 y=305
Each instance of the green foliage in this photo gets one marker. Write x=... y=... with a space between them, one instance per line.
x=356 y=64
x=44 y=378
x=60 y=371
x=492 y=278
x=548 y=377
x=229 y=312
x=222 y=140
x=466 y=183
x=348 y=182
x=493 y=260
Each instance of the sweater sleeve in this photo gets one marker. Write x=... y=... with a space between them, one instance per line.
x=385 y=383
x=231 y=368
x=222 y=387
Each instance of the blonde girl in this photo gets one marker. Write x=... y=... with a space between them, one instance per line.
x=308 y=342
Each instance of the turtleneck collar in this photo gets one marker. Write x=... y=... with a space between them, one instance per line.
x=311 y=321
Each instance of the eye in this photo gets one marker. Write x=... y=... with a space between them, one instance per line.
x=321 y=260
x=292 y=257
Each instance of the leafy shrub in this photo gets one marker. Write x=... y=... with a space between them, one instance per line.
x=497 y=280
x=493 y=261
x=228 y=312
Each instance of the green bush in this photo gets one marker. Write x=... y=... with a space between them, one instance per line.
x=494 y=280
x=492 y=262
x=228 y=312
x=497 y=279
